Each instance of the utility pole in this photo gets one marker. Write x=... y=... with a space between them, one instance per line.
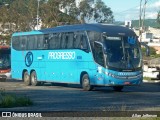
x=140 y=19
x=144 y=12
x=37 y=14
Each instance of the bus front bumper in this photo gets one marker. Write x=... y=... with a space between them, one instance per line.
x=113 y=80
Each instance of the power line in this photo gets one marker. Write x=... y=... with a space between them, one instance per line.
x=137 y=6
x=128 y=9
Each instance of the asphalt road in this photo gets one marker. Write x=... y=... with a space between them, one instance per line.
x=59 y=97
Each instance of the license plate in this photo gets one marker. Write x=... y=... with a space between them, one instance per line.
x=127 y=83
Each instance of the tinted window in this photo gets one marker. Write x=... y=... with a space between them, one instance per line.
x=84 y=42
x=51 y=41
x=35 y=46
x=31 y=42
x=98 y=54
x=69 y=40
x=40 y=40
x=58 y=42
x=23 y=44
x=63 y=41
x=16 y=43
x=94 y=36
x=80 y=41
x=77 y=41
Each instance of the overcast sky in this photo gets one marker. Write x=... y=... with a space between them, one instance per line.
x=129 y=9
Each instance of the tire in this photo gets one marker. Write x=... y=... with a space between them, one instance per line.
x=33 y=79
x=118 y=88
x=26 y=78
x=86 y=83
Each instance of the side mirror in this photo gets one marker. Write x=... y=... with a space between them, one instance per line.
x=104 y=34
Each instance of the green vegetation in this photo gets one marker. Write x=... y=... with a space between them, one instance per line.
x=147 y=78
x=152 y=53
x=21 y=15
x=11 y=100
x=148 y=22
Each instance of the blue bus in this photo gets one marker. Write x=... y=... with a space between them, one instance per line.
x=87 y=54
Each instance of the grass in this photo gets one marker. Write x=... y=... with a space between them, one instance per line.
x=11 y=100
x=147 y=78
x=123 y=107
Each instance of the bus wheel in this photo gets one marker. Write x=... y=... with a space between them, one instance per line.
x=86 y=83
x=33 y=78
x=118 y=88
x=26 y=78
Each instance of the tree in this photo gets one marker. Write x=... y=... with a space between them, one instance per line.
x=52 y=15
x=4 y=2
x=102 y=13
x=89 y=11
x=23 y=13
x=85 y=11
x=20 y=15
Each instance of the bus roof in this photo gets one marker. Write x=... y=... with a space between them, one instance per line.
x=111 y=30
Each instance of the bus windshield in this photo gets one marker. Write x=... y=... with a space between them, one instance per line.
x=123 y=53
x=4 y=59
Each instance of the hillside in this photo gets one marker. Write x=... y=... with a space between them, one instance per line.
x=147 y=22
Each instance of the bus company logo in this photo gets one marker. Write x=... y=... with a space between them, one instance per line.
x=29 y=59
x=62 y=55
x=131 y=40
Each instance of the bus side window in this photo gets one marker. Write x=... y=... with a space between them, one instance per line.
x=98 y=54
x=35 y=42
x=40 y=42
x=83 y=43
x=80 y=41
x=46 y=41
x=93 y=36
x=31 y=42
x=66 y=41
x=23 y=40
x=16 y=43
x=74 y=40
x=70 y=40
x=77 y=41
x=63 y=41
x=58 y=41
x=52 y=41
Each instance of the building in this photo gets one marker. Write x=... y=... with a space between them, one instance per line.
x=152 y=37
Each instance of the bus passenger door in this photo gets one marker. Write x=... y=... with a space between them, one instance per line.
x=99 y=59
x=41 y=56
x=42 y=67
